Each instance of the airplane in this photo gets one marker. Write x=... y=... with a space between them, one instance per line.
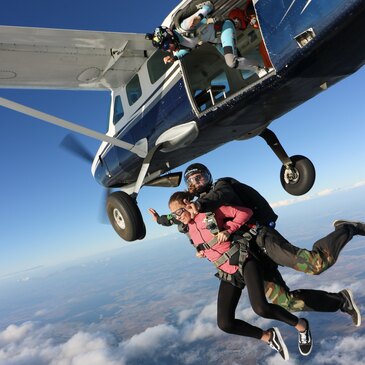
x=162 y=116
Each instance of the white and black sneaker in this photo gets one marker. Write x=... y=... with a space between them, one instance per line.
x=261 y=71
x=305 y=342
x=350 y=307
x=359 y=226
x=277 y=343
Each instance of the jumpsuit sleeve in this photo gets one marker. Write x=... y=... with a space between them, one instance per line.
x=239 y=216
x=181 y=53
x=221 y=194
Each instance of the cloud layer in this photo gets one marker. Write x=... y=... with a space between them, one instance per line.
x=324 y=192
x=186 y=343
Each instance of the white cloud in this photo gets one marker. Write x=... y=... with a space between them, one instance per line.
x=29 y=344
x=82 y=340
x=184 y=315
x=359 y=183
x=14 y=333
x=41 y=312
x=203 y=326
x=150 y=340
x=291 y=201
x=277 y=360
x=209 y=312
x=199 y=330
x=33 y=344
x=324 y=192
x=343 y=351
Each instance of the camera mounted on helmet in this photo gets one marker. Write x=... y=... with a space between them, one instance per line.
x=161 y=38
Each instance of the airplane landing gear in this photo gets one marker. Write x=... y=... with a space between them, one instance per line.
x=125 y=216
x=297 y=174
x=298 y=177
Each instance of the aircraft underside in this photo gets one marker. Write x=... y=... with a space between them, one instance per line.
x=163 y=115
x=226 y=110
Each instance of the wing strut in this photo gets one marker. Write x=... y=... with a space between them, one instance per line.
x=139 y=149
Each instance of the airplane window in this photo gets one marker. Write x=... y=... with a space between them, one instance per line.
x=118 y=109
x=156 y=67
x=133 y=90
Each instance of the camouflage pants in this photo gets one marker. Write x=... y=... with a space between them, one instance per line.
x=267 y=282
x=323 y=255
x=302 y=299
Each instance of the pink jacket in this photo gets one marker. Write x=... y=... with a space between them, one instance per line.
x=228 y=218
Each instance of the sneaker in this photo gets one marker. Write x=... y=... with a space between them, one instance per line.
x=261 y=71
x=277 y=343
x=359 y=226
x=305 y=342
x=350 y=307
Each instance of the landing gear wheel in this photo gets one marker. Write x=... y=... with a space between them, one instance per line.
x=142 y=234
x=298 y=178
x=125 y=216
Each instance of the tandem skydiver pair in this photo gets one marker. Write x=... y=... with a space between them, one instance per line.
x=246 y=251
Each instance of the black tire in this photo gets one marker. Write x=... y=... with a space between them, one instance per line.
x=125 y=216
x=302 y=180
x=142 y=233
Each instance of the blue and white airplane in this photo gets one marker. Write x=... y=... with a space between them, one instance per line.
x=164 y=115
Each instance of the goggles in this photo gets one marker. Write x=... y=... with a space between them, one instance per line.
x=178 y=213
x=192 y=180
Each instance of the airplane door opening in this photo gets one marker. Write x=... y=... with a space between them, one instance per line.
x=209 y=80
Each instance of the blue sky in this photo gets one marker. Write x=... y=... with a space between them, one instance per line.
x=49 y=201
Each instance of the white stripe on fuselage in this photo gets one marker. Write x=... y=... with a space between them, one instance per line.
x=290 y=6
x=305 y=6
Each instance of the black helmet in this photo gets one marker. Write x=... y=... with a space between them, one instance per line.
x=162 y=37
x=196 y=168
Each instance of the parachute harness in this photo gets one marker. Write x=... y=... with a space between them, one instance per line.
x=239 y=243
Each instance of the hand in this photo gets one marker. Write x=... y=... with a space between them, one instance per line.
x=168 y=59
x=154 y=214
x=253 y=22
x=194 y=22
x=200 y=254
x=223 y=236
x=191 y=207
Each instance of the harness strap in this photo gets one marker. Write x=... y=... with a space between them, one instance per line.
x=242 y=238
x=208 y=245
x=226 y=256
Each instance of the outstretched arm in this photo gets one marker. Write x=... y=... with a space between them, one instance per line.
x=164 y=220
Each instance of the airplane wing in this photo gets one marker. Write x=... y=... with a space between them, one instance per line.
x=69 y=59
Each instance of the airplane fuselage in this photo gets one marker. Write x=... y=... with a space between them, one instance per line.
x=311 y=46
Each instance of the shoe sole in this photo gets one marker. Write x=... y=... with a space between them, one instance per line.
x=349 y=292
x=340 y=222
x=282 y=343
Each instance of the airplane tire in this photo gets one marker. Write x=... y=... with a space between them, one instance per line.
x=125 y=216
x=142 y=233
x=300 y=179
